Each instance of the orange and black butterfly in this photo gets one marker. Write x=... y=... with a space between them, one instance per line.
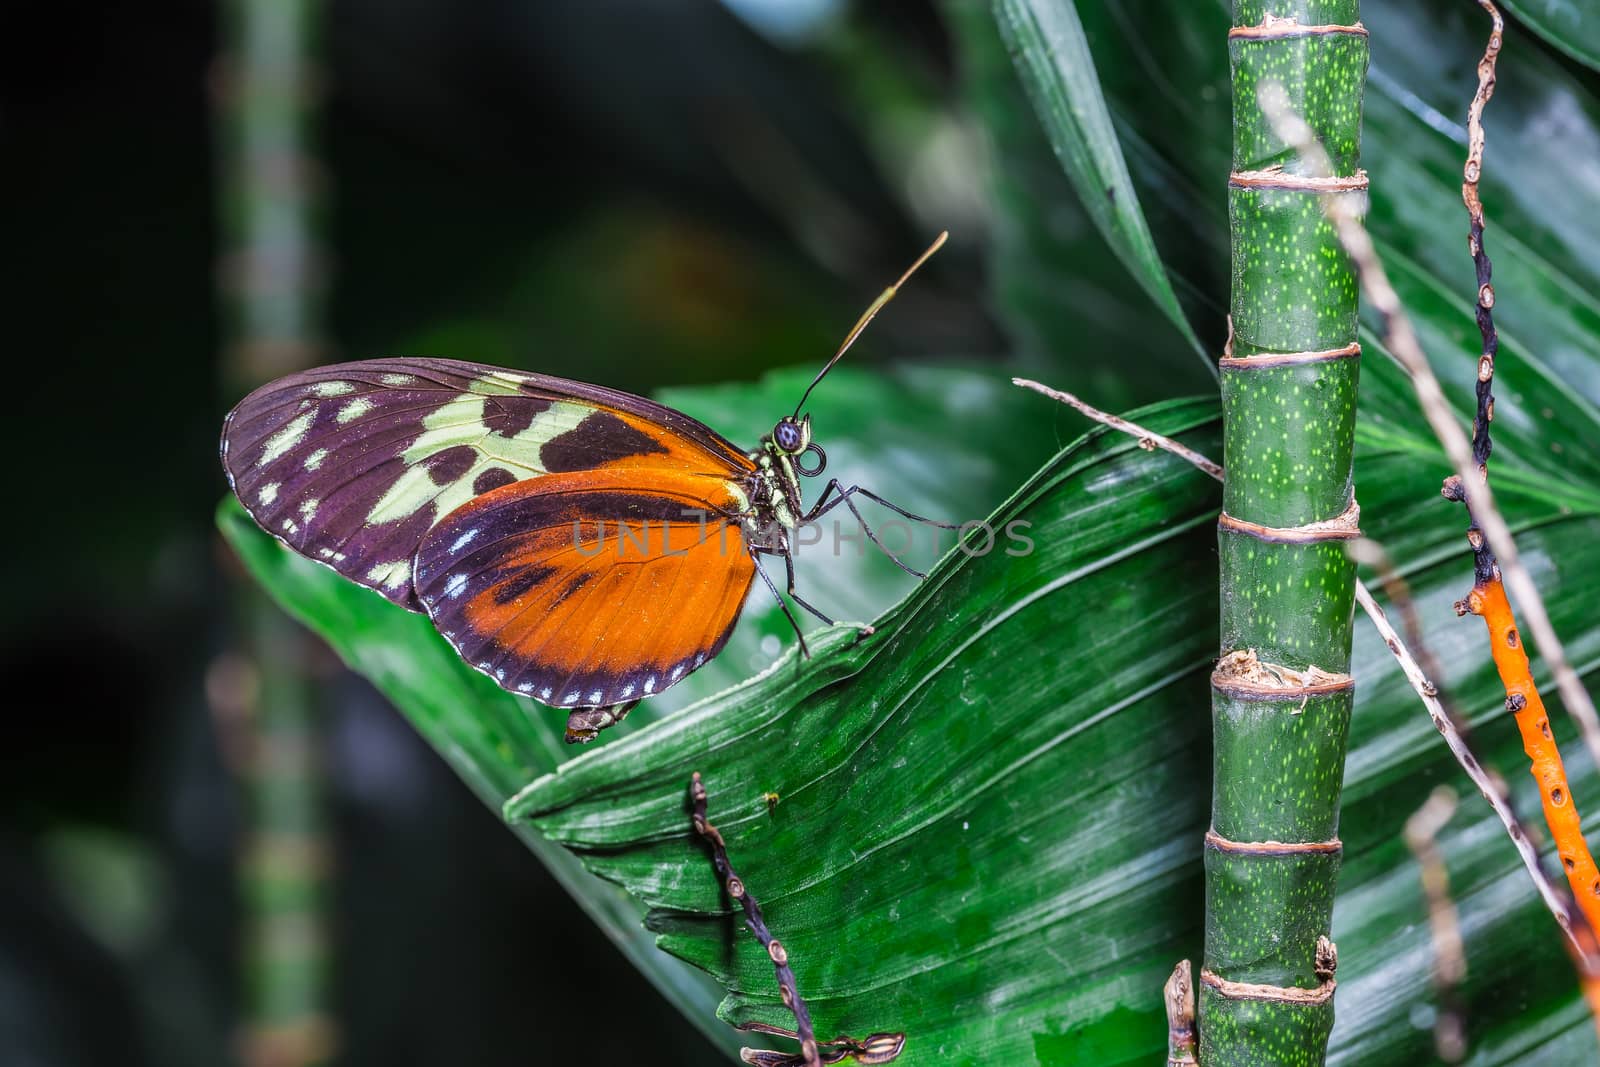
x=579 y=545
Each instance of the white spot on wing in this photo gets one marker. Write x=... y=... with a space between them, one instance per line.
x=455 y=585
x=525 y=687
x=290 y=526
x=314 y=460
x=544 y=694
x=627 y=691
x=353 y=410
x=308 y=509
x=594 y=697
x=268 y=493
x=390 y=575
x=396 y=379
x=677 y=672
x=327 y=389
x=570 y=698
x=291 y=434
x=464 y=540
x=500 y=675
x=497 y=383
x=650 y=684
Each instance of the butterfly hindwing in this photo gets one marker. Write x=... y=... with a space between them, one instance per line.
x=352 y=464
x=589 y=589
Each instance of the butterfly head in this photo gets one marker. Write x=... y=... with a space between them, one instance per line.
x=792 y=435
x=791 y=438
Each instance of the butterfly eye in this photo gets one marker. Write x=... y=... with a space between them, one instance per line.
x=788 y=436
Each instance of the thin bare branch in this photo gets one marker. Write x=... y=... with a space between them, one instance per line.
x=1147 y=440
x=1401 y=340
x=1449 y=954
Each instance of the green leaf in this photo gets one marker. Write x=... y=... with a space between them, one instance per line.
x=998 y=853
x=1047 y=43
x=1569 y=25
x=950 y=855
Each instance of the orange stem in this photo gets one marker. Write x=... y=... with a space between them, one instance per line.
x=1488 y=599
x=1591 y=993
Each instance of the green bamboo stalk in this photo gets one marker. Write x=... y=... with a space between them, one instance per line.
x=266 y=105
x=1282 y=692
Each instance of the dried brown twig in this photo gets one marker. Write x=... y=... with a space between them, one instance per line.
x=1182 y=1042
x=1449 y=954
x=871 y=1050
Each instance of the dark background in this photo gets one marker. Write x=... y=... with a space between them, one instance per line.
x=635 y=192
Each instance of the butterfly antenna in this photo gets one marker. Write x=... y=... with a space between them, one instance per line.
x=867 y=316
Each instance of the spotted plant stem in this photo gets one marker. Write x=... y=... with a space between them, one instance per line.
x=1483 y=555
x=266 y=106
x=1282 y=693
x=870 y=1051
x=735 y=886
x=1488 y=600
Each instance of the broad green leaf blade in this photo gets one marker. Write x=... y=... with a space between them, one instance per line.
x=951 y=855
x=940 y=441
x=486 y=735
x=1048 y=45
x=999 y=852
x=1573 y=26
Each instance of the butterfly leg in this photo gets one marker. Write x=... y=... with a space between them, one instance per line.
x=585 y=724
x=784 y=604
x=824 y=505
x=788 y=566
x=844 y=495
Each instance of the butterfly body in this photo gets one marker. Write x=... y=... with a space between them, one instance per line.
x=582 y=546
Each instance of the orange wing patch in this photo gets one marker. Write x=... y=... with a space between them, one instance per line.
x=592 y=588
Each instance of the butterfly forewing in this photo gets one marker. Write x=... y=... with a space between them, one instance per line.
x=353 y=464
x=589 y=589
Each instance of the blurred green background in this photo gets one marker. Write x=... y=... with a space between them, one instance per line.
x=631 y=192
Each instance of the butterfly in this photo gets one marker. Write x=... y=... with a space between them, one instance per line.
x=580 y=545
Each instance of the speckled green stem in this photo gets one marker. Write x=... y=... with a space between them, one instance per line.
x=1282 y=695
x=267 y=102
